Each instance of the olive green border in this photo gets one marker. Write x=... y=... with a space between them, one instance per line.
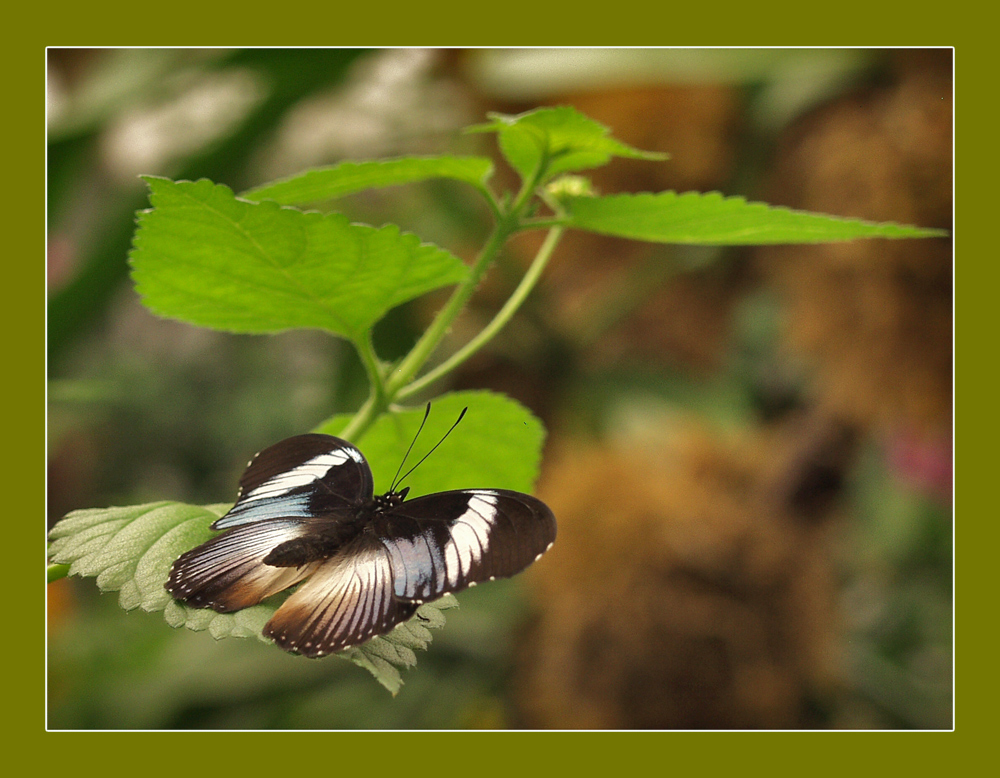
x=462 y=24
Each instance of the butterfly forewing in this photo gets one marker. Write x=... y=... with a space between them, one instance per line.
x=304 y=476
x=448 y=541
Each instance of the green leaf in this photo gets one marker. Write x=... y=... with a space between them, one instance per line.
x=563 y=137
x=382 y=656
x=711 y=219
x=498 y=444
x=348 y=177
x=203 y=256
x=130 y=550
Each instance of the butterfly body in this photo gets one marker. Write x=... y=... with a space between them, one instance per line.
x=306 y=514
x=333 y=532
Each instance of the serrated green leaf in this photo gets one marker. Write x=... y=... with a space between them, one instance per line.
x=327 y=183
x=174 y=614
x=432 y=617
x=203 y=256
x=244 y=624
x=118 y=541
x=250 y=621
x=565 y=138
x=414 y=635
x=713 y=220
x=382 y=655
x=393 y=652
x=384 y=672
x=498 y=444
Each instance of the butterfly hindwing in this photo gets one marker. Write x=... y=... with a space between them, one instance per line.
x=448 y=541
x=346 y=601
x=305 y=476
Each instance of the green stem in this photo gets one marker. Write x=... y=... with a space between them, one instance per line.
x=491 y=201
x=421 y=352
x=378 y=399
x=507 y=224
x=374 y=369
x=362 y=420
x=490 y=330
x=55 y=572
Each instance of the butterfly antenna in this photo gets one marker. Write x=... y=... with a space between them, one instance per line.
x=435 y=445
x=396 y=478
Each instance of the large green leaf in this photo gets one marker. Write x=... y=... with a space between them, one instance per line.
x=711 y=219
x=498 y=444
x=204 y=256
x=130 y=550
x=563 y=137
x=346 y=178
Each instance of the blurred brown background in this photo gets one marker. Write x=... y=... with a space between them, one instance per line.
x=749 y=450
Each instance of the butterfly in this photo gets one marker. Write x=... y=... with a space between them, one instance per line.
x=306 y=513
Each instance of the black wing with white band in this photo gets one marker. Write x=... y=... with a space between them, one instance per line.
x=305 y=476
x=448 y=541
x=416 y=552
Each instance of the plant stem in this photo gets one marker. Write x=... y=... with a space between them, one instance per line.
x=374 y=369
x=55 y=572
x=378 y=399
x=502 y=317
x=507 y=224
x=383 y=391
x=407 y=369
x=362 y=420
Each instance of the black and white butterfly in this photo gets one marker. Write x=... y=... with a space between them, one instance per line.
x=306 y=512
